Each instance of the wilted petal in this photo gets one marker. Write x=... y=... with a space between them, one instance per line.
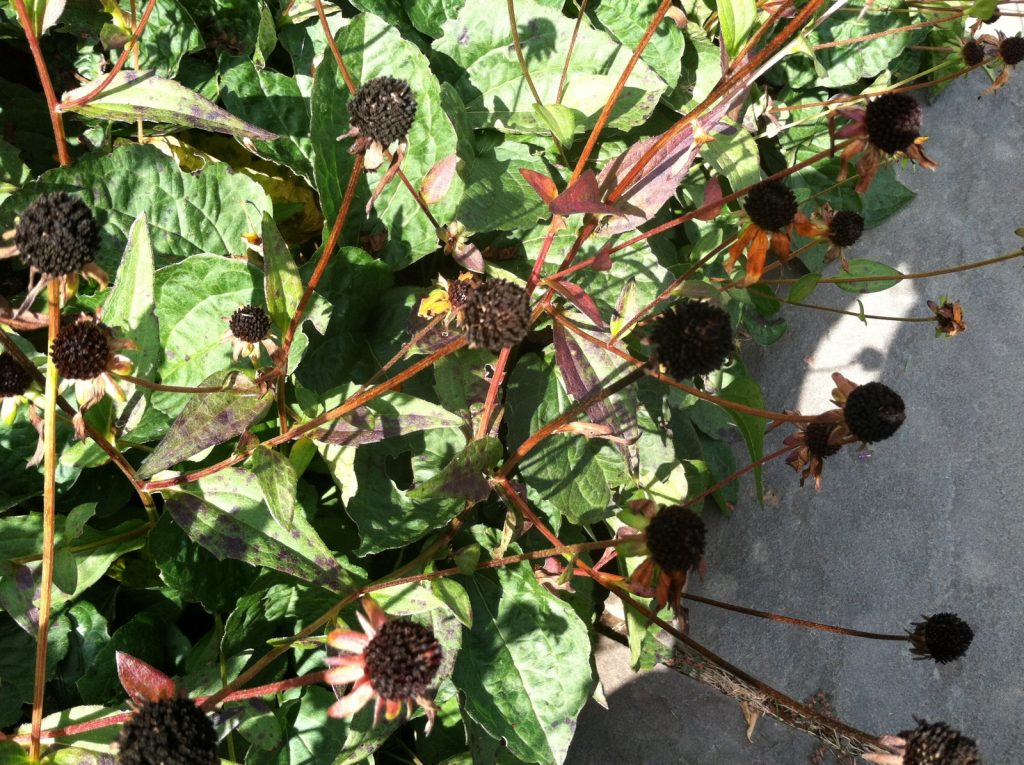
x=348 y=641
x=344 y=674
x=348 y=705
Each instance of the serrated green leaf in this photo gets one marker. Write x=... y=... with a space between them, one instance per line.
x=524 y=666
x=144 y=95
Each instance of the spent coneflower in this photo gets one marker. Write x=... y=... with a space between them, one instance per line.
x=393 y=661
x=170 y=731
x=1009 y=50
x=973 y=52
x=928 y=744
x=497 y=315
x=888 y=126
x=448 y=298
x=14 y=384
x=249 y=329
x=675 y=538
x=941 y=637
x=773 y=213
x=871 y=412
x=841 y=229
x=814 y=443
x=87 y=353
x=57 y=237
x=692 y=338
x=949 y=317
x=380 y=114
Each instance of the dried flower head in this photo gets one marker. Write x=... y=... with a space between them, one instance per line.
x=941 y=637
x=692 y=338
x=393 y=661
x=845 y=228
x=814 y=442
x=771 y=205
x=57 y=237
x=168 y=732
x=383 y=110
x=675 y=540
x=873 y=412
x=15 y=382
x=87 y=352
x=773 y=214
x=839 y=229
x=1011 y=50
x=928 y=744
x=949 y=317
x=14 y=378
x=449 y=298
x=973 y=52
x=497 y=315
x=893 y=122
x=249 y=329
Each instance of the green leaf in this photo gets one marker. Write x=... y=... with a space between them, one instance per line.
x=864 y=267
x=627 y=21
x=278 y=103
x=144 y=95
x=497 y=197
x=209 y=419
x=734 y=154
x=737 y=19
x=282 y=285
x=734 y=385
x=848 y=64
x=170 y=34
x=43 y=14
x=454 y=595
x=226 y=513
x=390 y=415
x=131 y=303
x=187 y=213
x=524 y=666
x=278 y=483
x=195 y=299
x=371 y=49
x=463 y=478
x=804 y=287
x=560 y=119
x=490 y=80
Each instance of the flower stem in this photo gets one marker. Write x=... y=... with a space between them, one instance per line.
x=349 y=83
x=737 y=474
x=901 y=277
x=827 y=309
x=56 y=120
x=168 y=388
x=887 y=32
x=568 y=54
x=510 y=5
x=792 y=620
x=49 y=521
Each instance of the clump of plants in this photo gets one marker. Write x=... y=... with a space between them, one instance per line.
x=408 y=333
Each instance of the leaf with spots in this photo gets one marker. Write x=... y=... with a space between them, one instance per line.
x=226 y=513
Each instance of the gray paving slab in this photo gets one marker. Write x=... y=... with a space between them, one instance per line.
x=931 y=520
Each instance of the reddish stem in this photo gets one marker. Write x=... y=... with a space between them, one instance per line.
x=334 y=48
x=737 y=474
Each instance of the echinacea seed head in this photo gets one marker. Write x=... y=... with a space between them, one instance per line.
x=973 y=52
x=771 y=205
x=1011 y=50
x=57 y=234
x=893 y=122
x=816 y=437
x=402 y=659
x=676 y=538
x=942 y=637
x=383 y=109
x=81 y=350
x=938 y=744
x=14 y=378
x=497 y=315
x=692 y=338
x=168 y=732
x=458 y=292
x=250 y=323
x=874 y=412
x=845 y=228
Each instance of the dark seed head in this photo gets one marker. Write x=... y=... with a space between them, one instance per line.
x=57 y=234
x=938 y=744
x=497 y=315
x=845 y=228
x=816 y=436
x=1012 y=50
x=383 y=109
x=692 y=338
x=893 y=122
x=168 y=732
x=943 y=637
x=81 y=350
x=458 y=292
x=402 y=659
x=771 y=205
x=14 y=379
x=973 y=52
x=250 y=323
x=675 y=537
x=874 y=412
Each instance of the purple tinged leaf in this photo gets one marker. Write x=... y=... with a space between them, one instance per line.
x=470 y=258
x=542 y=184
x=141 y=681
x=584 y=196
x=586 y=368
x=438 y=180
x=389 y=416
x=579 y=298
x=143 y=95
x=209 y=419
x=226 y=513
x=463 y=477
